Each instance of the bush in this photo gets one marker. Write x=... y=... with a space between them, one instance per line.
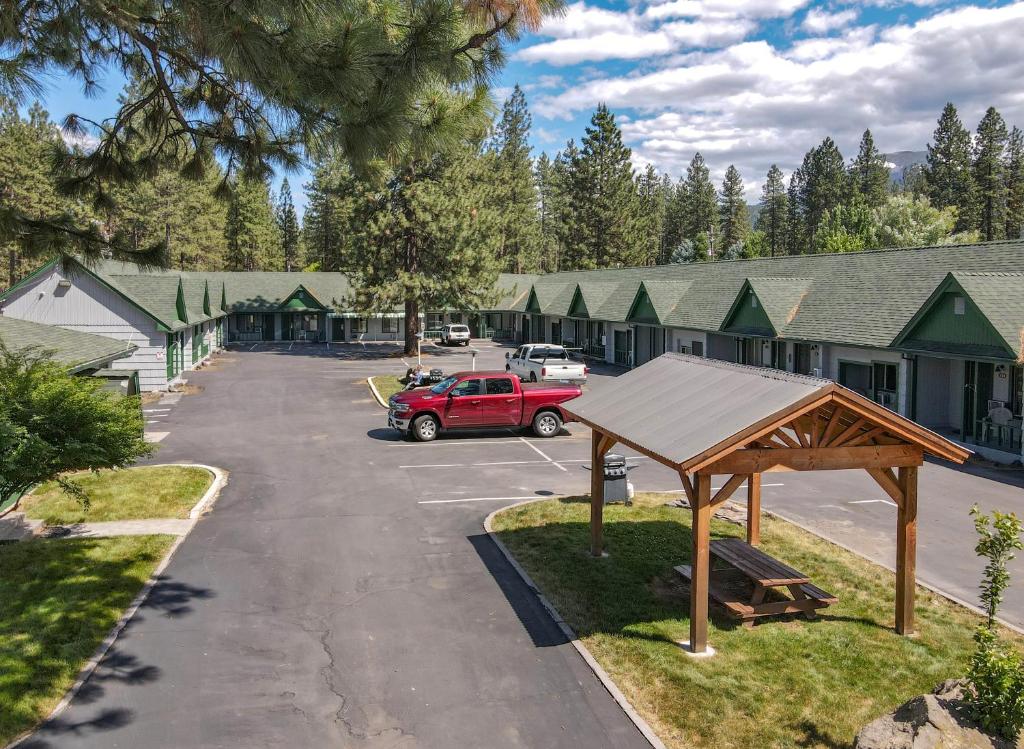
x=996 y=679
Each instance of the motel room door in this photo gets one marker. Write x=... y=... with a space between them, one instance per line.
x=268 y=327
x=287 y=326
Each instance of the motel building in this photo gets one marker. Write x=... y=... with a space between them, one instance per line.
x=933 y=333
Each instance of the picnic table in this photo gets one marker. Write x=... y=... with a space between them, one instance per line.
x=766 y=573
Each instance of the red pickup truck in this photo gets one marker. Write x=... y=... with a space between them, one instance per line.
x=479 y=400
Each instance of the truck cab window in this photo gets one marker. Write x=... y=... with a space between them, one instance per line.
x=467 y=387
x=500 y=386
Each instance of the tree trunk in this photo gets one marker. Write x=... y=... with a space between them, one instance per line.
x=12 y=267
x=412 y=325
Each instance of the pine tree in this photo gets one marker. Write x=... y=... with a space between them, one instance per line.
x=287 y=226
x=701 y=202
x=606 y=202
x=733 y=210
x=570 y=195
x=251 y=234
x=989 y=152
x=824 y=185
x=652 y=204
x=796 y=228
x=675 y=220
x=869 y=176
x=1015 y=184
x=548 y=198
x=773 y=215
x=329 y=223
x=26 y=183
x=949 y=175
x=429 y=240
x=513 y=188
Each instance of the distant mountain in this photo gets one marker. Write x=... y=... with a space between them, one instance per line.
x=900 y=160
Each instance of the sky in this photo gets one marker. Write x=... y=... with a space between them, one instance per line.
x=745 y=82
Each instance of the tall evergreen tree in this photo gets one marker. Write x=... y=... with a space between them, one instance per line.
x=548 y=200
x=251 y=234
x=652 y=203
x=733 y=210
x=701 y=204
x=513 y=188
x=869 y=175
x=796 y=227
x=429 y=240
x=569 y=194
x=949 y=175
x=824 y=185
x=675 y=231
x=287 y=226
x=26 y=183
x=606 y=203
x=773 y=214
x=328 y=225
x=989 y=152
x=1015 y=184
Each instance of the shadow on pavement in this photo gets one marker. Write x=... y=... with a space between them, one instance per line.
x=535 y=619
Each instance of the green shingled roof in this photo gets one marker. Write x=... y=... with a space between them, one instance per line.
x=514 y=290
x=859 y=298
x=591 y=297
x=73 y=349
x=160 y=296
x=663 y=296
x=999 y=297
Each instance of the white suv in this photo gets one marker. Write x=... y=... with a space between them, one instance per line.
x=451 y=334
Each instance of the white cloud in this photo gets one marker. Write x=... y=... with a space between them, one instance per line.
x=818 y=21
x=751 y=9
x=755 y=102
x=85 y=141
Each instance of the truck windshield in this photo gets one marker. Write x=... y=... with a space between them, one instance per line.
x=443 y=385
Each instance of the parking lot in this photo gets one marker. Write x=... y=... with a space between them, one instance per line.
x=342 y=591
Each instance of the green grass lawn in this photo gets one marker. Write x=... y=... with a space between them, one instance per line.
x=388 y=385
x=60 y=597
x=787 y=682
x=126 y=494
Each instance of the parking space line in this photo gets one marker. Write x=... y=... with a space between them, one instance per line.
x=254 y=347
x=870 y=501
x=461 y=443
x=482 y=499
x=438 y=465
x=541 y=454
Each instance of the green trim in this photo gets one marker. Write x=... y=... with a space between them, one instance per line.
x=180 y=303
x=223 y=298
x=206 y=299
x=642 y=309
x=161 y=325
x=578 y=307
x=30 y=277
x=974 y=337
x=532 y=303
x=745 y=319
x=302 y=300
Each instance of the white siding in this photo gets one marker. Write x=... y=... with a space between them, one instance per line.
x=90 y=307
x=679 y=337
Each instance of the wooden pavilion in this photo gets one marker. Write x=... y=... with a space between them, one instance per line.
x=703 y=417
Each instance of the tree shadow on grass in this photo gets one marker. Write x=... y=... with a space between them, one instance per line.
x=61 y=598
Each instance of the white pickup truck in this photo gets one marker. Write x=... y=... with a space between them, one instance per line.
x=540 y=362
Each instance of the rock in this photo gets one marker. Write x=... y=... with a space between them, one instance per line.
x=930 y=721
x=733 y=512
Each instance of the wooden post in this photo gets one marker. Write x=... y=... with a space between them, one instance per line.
x=906 y=551
x=600 y=444
x=754 y=509
x=700 y=560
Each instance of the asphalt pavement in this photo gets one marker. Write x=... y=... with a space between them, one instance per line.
x=342 y=592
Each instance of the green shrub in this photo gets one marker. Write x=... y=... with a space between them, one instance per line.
x=996 y=678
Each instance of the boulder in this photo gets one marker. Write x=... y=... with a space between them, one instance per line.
x=939 y=720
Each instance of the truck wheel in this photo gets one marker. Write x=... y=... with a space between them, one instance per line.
x=547 y=424
x=424 y=428
x=533 y=376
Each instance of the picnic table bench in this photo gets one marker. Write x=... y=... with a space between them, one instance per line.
x=766 y=572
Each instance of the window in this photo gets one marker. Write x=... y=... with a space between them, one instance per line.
x=389 y=325
x=455 y=317
x=749 y=351
x=1016 y=389
x=358 y=325
x=542 y=353
x=434 y=320
x=247 y=323
x=856 y=376
x=500 y=386
x=467 y=387
x=959 y=305
x=778 y=355
x=886 y=384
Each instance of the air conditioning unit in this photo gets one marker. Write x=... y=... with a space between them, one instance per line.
x=993 y=405
x=816 y=371
x=683 y=348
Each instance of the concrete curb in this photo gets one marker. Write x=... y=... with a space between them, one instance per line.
x=602 y=675
x=375 y=393
x=90 y=666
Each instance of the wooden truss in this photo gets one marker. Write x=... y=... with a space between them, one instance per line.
x=833 y=429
